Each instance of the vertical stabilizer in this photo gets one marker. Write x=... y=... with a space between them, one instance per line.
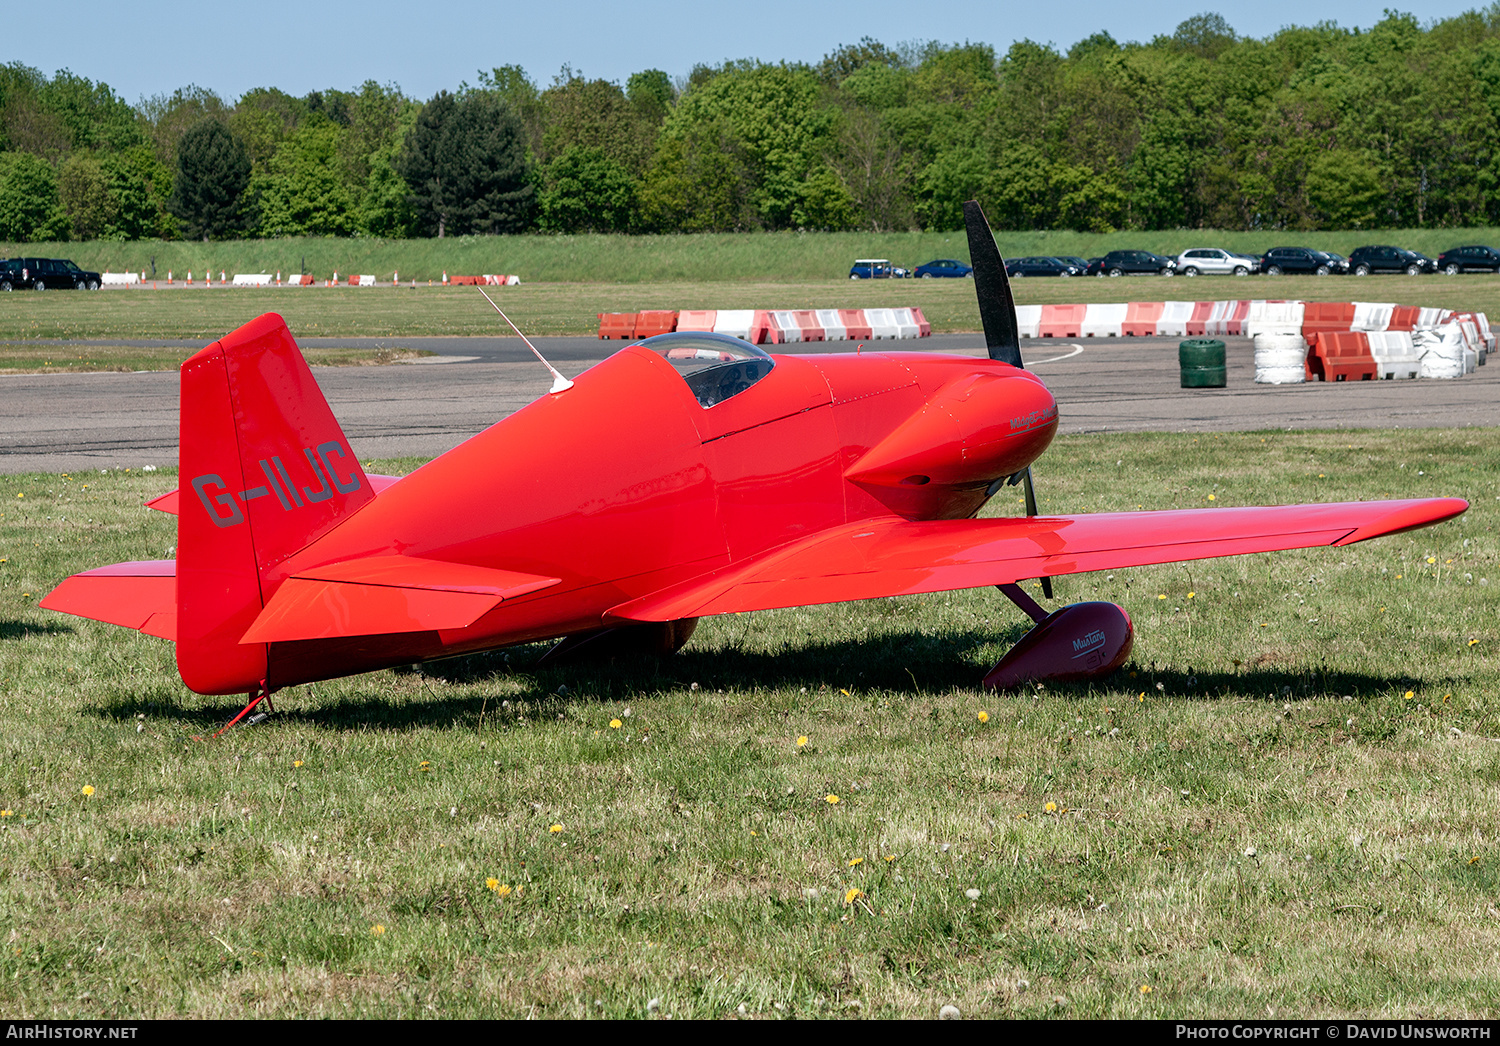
x=265 y=469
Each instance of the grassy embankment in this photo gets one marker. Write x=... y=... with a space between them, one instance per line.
x=711 y=257
x=571 y=308
x=1286 y=805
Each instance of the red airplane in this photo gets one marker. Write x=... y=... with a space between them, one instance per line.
x=686 y=475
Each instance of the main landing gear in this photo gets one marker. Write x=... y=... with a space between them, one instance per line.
x=1075 y=643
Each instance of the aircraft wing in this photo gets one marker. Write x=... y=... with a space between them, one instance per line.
x=891 y=556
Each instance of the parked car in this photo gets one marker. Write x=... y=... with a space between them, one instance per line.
x=943 y=267
x=1132 y=263
x=41 y=274
x=14 y=276
x=1469 y=259
x=1214 y=261
x=1340 y=263
x=1365 y=260
x=1279 y=260
x=1073 y=259
x=876 y=269
x=1041 y=266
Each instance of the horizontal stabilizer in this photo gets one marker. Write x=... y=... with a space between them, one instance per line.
x=168 y=502
x=139 y=595
x=378 y=595
x=893 y=557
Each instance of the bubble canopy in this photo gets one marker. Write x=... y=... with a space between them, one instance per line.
x=715 y=366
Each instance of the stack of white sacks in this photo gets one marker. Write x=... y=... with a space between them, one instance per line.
x=1443 y=345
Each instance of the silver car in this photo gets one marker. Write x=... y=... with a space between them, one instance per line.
x=1215 y=262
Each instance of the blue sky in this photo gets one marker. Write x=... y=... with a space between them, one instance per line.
x=301 y=47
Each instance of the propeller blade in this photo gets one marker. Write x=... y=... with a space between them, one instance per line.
x=997 y=309
x=1031 y=511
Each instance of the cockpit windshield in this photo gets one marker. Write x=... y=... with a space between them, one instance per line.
x=715 y=366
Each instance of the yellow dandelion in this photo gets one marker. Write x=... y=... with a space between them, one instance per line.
x=1398 y=577
x=88 y=789
x=615 y=724
x=1051 y=808
x=423 y=767
x=1191 y=594
x=555 y=829
x=1023 y=816
x=7 y=813
x=1474 y=859
x=984 y=717
x=889 y=858
x=1146 y=989
x=843 y=691
x=1432 y=559
x=1410 y=694
x=853 y=894
x=754 y=834
x=802 y=741
x=1473 y=642
x=856 y=861
x=492 y=883
x=1210 y=497
x=1162 y=596
x=831 y=799
x=503 y=890
x=296 y=762
x=377 y=930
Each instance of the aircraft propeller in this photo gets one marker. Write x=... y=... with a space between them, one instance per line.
x=997 y=311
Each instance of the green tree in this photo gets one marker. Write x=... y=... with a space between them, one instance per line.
x=213 y=172
x=29 y=207
x=142 y=186
x=303 y=191
x=85 y=194
x=584 y=190
x=465 y=162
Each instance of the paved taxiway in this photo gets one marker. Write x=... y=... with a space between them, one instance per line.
x=60 y=422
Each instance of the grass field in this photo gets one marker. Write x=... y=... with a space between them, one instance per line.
x=561 y=308
x=1286 y=805
x=713 y=257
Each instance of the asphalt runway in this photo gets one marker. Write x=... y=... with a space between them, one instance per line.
x=69 y=422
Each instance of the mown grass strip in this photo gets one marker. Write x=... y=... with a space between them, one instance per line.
x=1287 y=802
x=30 y=358
x=559 y=308
x=714 y=257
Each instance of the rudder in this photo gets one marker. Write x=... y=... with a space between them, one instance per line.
x=269 y=471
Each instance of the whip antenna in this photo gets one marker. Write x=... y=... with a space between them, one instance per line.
x=559 y=383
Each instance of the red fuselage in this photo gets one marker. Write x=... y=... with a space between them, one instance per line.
x=625 y=484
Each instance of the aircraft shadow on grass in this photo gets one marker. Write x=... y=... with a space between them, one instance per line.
x=26 y=629
x=904 y=664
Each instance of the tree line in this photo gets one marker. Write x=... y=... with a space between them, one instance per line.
x=1316 y=127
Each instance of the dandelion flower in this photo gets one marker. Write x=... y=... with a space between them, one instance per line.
x=831 y=799
x=853 y=894
x=1162 y=596
x=424 y=766
x=615 y=724
x=802 y=741
x=1210 y=497
x=1474 y=859
x=88 y=789
x=1191 y=594
x=984 y=717
x=1432 y=559
x=492 y=883
x=843 y=691
x=7 y=813
x=1473 y=642
x=856 y=861
x=555 y=829
x=1146 y=989
x=503 y=890
x=1410 y=694
x=377 y=930
x=889 y=858
x=296 y=762
x=1051 y=808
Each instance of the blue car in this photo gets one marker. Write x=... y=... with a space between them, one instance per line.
x=876 y=269
x=943 y=267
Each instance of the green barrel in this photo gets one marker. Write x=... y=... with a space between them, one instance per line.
x=1202 y=363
